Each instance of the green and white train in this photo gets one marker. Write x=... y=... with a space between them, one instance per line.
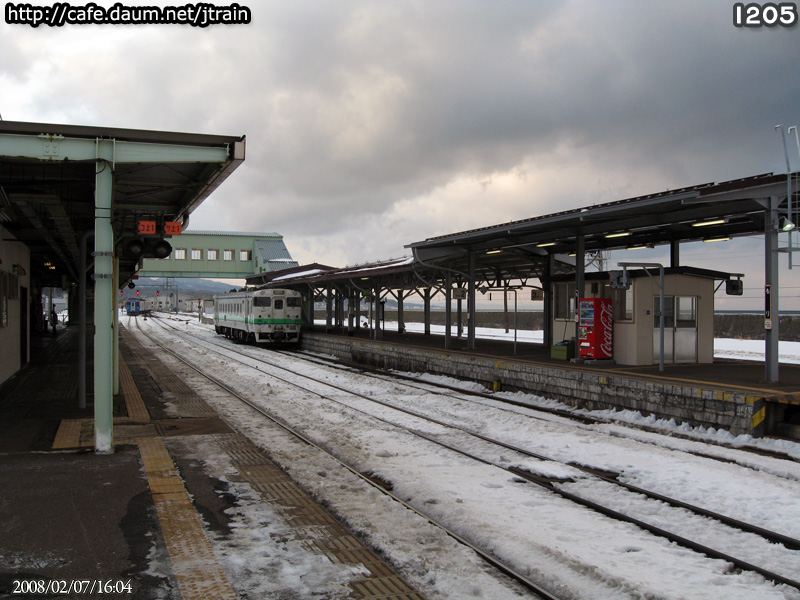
x=259 y=316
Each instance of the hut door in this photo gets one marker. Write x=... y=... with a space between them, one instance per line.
x=680 y=329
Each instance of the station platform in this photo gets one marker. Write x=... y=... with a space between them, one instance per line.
x=145 y=521
x=728 y=394
x=744 y=374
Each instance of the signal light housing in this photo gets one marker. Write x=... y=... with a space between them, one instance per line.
x=139 y=247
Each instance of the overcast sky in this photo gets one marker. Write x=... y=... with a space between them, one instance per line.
x=374 y=124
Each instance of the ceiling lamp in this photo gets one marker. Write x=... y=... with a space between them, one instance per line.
x=545 y=244
x=718 y=239
x=706 y=223
x=616 y=235
x=785 y=224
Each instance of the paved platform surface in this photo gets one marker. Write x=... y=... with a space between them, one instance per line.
x=140 y=521
x=723 y=373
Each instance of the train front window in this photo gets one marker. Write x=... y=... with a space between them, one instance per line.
x=278 y=303
x=293 y=302
x=262 y=301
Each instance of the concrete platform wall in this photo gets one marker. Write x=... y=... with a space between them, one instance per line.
x=584 y=388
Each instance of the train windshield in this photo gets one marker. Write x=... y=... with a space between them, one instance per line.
x=293 y=302
x=262 y=301
x=278 y=303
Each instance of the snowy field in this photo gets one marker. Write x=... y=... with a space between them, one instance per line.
x=570 y=550
x=789 y=352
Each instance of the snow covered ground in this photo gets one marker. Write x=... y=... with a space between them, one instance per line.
x=789 y=352
x=570 y=550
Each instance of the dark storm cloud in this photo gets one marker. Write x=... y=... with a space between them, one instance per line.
x=477 y=89
x=371 y=112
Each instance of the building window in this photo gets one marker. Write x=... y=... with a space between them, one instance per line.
x=245 y=255
x=213 y=255
x=197 y=254
x=564 y=300
x=179 y=253
x=227 y=255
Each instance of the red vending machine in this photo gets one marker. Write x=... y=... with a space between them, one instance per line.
x=595 y=328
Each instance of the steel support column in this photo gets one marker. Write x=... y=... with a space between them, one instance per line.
x=471 y=303
x=547 y=304
x=328 y=308
x=351 y=296
x=115 y=312
x=103 y=302
x=448 y=305
x=82 y=321
x=771 y=284
x=357 y=307
x=426 y=300
x=674 y=253
x=401 y=322
x=580 y=262
x=378 y=313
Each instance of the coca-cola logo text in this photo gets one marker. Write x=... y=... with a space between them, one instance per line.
x=607 y=322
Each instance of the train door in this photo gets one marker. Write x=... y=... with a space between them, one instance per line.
x=680 y=329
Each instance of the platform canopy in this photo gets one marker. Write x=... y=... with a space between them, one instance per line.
x=47 y=185
x=522 y=248
x=63 y=184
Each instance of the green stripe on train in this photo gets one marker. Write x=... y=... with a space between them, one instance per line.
x=263 y=321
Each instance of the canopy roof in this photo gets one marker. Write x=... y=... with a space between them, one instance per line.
x=523 y=248
x=47 y=182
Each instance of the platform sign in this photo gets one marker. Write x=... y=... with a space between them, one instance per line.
x=146 y=227
x=768 y=306
x=172 y=228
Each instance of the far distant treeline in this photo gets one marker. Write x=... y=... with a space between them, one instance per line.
x=737 y=325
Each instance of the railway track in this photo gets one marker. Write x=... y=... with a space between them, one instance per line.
x=553 y=414
x=368 y=478
x=555 y=485
x=460 y=393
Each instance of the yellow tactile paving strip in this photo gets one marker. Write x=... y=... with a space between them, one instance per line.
x=196 y=569
x=137 y=412
x=318 y=529
x=74 y=433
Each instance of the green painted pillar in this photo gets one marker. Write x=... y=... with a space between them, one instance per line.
x=114 y=288
x=103 y=303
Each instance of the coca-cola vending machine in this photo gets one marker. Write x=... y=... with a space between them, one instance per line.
x=595 y=328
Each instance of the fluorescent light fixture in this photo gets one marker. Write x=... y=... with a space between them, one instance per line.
x=719 y=239
x=705 y=223
x=545 y=244
x=616 y=235
x=494 y=252
x=642 y=247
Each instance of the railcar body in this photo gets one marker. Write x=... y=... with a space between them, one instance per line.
x=259 y=316
x=137 y=306
x=132 y=307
